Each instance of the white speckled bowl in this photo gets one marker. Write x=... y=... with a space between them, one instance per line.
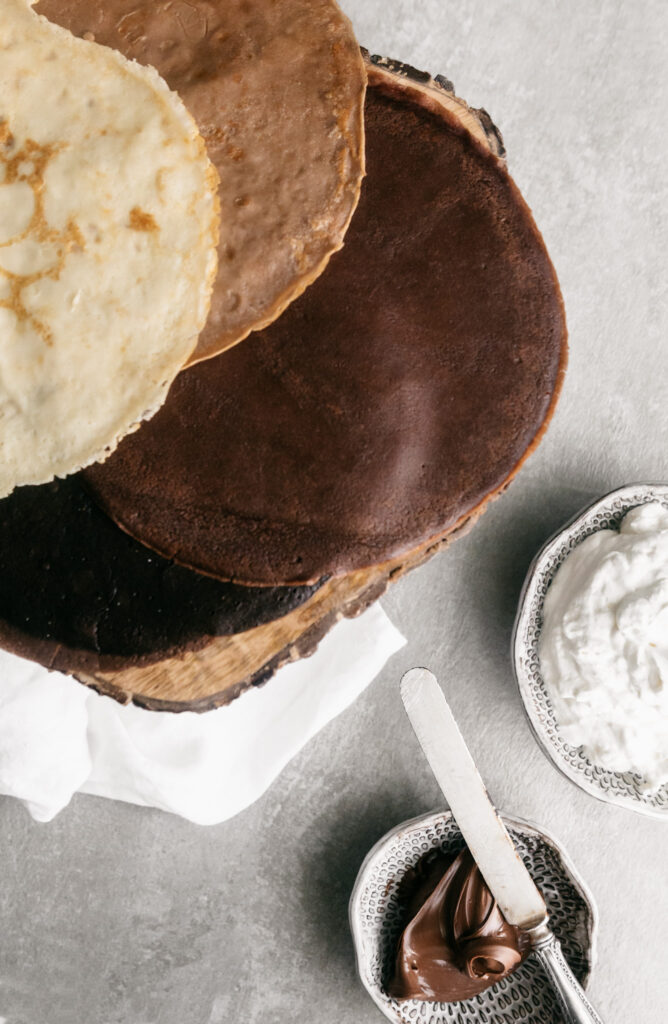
x=627 y=789
x=376 y=922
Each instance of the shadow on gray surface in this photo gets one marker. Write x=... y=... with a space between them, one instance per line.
x=329 y=874
x=508 y=551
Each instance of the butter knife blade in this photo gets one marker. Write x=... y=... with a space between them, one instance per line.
x=486 y=837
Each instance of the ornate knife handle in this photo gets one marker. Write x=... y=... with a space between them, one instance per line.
x=573 y=1002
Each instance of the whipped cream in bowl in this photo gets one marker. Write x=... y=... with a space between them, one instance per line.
x=590 y=648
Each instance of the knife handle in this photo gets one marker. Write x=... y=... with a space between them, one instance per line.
x=572 y=1001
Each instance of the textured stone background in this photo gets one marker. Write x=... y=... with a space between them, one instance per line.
x=116 y=915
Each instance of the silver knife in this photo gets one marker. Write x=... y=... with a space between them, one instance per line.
x=486 y=837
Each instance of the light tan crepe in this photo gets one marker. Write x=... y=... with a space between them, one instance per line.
x=277 y=89
x=108 y=233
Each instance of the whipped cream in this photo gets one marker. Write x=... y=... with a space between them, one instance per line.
x=604 y=645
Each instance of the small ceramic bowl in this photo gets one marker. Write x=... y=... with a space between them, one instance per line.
x=628 y=789
x=376 y=922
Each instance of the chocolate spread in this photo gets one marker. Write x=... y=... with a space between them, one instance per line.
x=456 y=942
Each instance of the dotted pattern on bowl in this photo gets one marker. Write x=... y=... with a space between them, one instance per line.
x=627 y=789
x=524 y=995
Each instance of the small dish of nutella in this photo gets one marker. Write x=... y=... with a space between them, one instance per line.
x=427 y=930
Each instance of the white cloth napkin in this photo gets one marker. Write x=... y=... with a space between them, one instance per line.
x=58 y=737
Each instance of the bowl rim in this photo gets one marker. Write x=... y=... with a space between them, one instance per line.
x=514 y=821
x=518 y=648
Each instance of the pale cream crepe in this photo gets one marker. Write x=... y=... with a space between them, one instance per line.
x=108 y=231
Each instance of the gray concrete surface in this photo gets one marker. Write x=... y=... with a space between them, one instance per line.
x=116 y=915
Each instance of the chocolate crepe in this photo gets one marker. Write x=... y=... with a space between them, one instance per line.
x=388 y=403
x=76 y=592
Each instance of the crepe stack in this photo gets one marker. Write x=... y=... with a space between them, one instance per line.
x=286 y=482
